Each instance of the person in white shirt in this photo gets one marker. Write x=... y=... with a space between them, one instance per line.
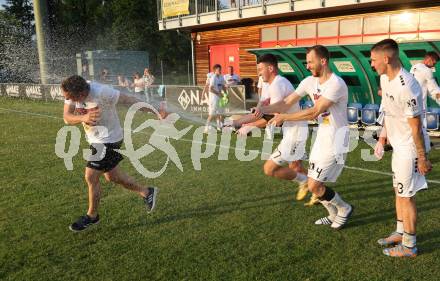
x=291 y=150
x=423 y=74
x=402 y=105
x=94 y=105
x=138 y=84
x=208 y=79
x=148 y=82
x=330 y=95
x=262 y=89
x=245 y=123
x=231 y=78
x=216 y=90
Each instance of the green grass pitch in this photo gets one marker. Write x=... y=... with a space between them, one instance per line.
x=225 y=222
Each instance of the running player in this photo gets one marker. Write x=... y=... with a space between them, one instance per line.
x=104 y=133
x=292 y=147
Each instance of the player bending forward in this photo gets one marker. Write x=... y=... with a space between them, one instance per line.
x=97 y=103
x=330 y=94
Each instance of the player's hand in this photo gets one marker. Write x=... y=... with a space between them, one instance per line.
x=424 y=166
x=92 y=117
x=244 y=130
x=163 y=114
x=256 y=111
x=437 y=96
x=265 y=102
x=379 y=148
x=277 y=120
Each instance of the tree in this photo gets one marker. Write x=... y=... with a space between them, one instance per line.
x=21 y=10
x=18 y=59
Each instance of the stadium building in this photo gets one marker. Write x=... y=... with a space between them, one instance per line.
x=234 y=32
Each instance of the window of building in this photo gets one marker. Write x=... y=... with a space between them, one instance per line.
x=429 y=20
x=404 y=22
x=328 y=29
x=287 y=32
x=374 y=25
x=269 y=34
x=350 y=27
x=307 y=30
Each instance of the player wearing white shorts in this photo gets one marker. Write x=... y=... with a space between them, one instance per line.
x=96 y=105
x=216 y=86
x=292 y=147
x=402 y=105
x=423 y=74
x=330 y=94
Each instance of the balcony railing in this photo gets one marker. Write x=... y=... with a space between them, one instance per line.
x=197 y=7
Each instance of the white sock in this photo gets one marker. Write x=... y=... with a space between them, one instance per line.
x=340 y=204
x=300 y=177
x=332 y=211
x=409 y=240
x=399 y=228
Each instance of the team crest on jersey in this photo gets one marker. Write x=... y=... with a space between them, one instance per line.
x=389 y=96
x=317 y=95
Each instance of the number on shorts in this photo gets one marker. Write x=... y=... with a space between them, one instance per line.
x=319 y=172
x=399 y=188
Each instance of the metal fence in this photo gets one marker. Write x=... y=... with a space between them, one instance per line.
x=207 y=6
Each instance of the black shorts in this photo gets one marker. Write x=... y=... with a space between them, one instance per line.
x=110 y=158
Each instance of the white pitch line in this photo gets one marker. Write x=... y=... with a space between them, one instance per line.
x=30 y=113
x=188 y=140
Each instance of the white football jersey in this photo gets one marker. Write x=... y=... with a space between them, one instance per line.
x=278 y=90
x=106 y=98
x=217 y=82
x=264 y=89
x=424 y=76
x=231 y=80
x=401 y=99
x=335 y=90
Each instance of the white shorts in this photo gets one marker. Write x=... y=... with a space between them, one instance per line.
x=328 y=155
x=292 y=147
x=213 y=105
x=325 y=170
x=406 y=179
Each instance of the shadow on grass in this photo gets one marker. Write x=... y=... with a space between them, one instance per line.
x=219 y=209
x=428 y=242
x=388 y=214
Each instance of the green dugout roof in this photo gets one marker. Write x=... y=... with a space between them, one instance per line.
x=352 y=63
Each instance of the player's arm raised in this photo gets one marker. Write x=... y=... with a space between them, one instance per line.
x=281 y=106
x=321 y=105
x=423 y=164
x=128 y=99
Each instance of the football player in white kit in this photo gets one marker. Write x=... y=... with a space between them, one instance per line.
x=216 y=88
x=97 y=105
x=423 y=74
x=402 y=105
x=292 y=147
x=330 y=95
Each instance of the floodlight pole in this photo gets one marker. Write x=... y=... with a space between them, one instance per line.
x=41 y=26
